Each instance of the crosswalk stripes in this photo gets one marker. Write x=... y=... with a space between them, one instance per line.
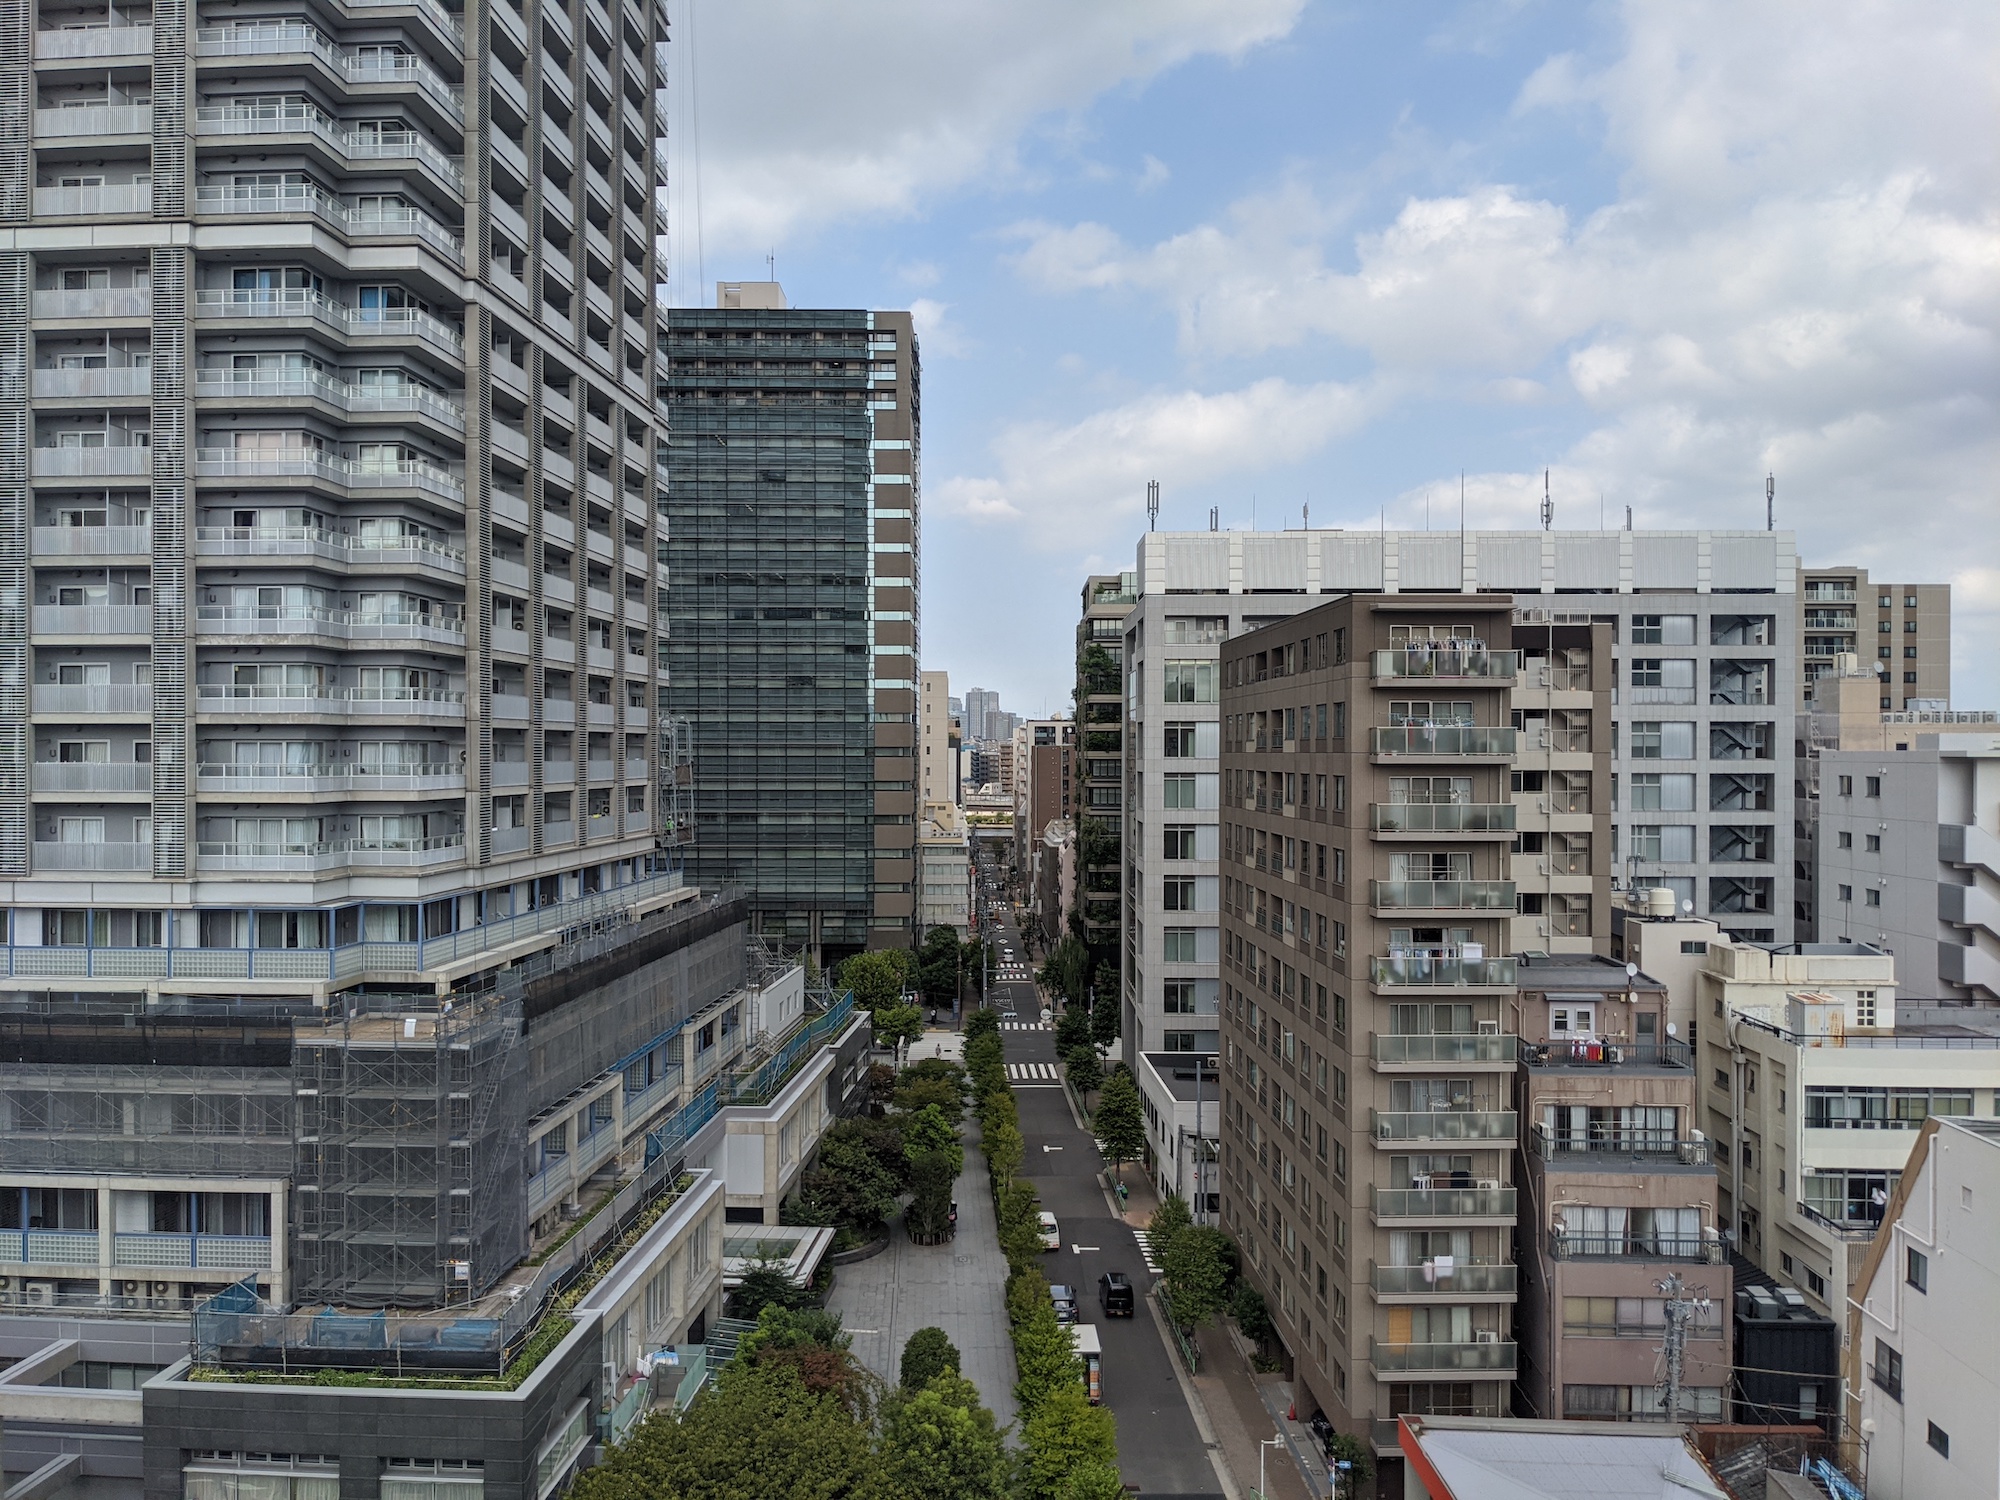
x=1033 y=1072
x=1026 y=1026
x=1146 y=1250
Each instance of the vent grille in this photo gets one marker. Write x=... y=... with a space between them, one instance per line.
x=170 y=115
x=171 y=646
x=13 y=564
x=16 y=82
x=479 y=522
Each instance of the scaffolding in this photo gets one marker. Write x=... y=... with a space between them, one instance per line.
x=408 y=1179
x=164 y=1121
x=676 y=812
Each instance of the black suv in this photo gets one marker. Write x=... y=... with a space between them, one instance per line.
x=1114 y=1294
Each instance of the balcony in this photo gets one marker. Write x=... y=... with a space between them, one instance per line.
x=341 y=780
x=323 y=701
x=1447 y=663
x=94 y=120
x=1676 y=696
x=132 y=700
x=1580 y=1053
x=1609 y=1151
x=1424 y=819
x=333 y=854
x=95 y=302
x=199 y=1252
x=1852 y=1231
x=1629 y=1247
x=1461 y=1281
x=354 y=146
x=1421 y=742
x=331 y=546
x=1392 y=1127
x=1440 y=970
x=1441 y=895
x=222 y=383
x=1436 y=1048
x=92 y=619
x=96 y=42
x=93 y=385
x=1829 y=593
x=129 y=461
x=50 y=856
x=93 y=777
x=288 y=623
x=313 y=463
x=1451 y=1205
x=108 y=198
x=1489 y=1356
x=296 y=38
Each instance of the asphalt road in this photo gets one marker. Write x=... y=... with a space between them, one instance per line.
x=1159 y=1448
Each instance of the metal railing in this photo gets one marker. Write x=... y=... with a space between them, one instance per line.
x=127 y=459
x=1445 y=660
x=261 y=385
x=91 y=698
x=53 y=855
x=331 y=775
x=290 y=541
x=106 y=198
x=1437 y=895
x=356 y=146
x=1635 y=1247
x=1441 y=817
x=92 y=619
x=1443 y=740
x=1641 y=1144
x=1439 y=971
x=95 y=41
x=1445 y=1047
x=1576 y=1053
x=118 y=380
x=1469 y=1201
x=228 y=302
x=95 y=119
x=1444 y=1124
x=284 y=38
x=1841 y=1229
x=94 y=302
x=1494 y=1356
x=332 y=854
x=292 y=620
x=1463 y=1280
x=313 y=463
x=92 y=776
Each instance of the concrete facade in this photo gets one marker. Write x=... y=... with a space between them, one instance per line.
x=1905 y=628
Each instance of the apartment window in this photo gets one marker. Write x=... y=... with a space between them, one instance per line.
x=432 y=1479
x=1909 y=653
x=1179 y=841
x=1657 y=791
x=1177 y=997
x=1654 y=740
x=1178 y=945
x=1177 y=792
x=1864 y=1007
x=1909 y=627
x=1180 y=741
x=1939 y=1439
x=1190 y=682
x=1846 y=893
x=1177 y=894
x=1874 y=785
x=1340 y=794
x=1847 y=786
x=1663 y=630
x=1917 y=1270
x=1844 y=841
x=1816 y=1284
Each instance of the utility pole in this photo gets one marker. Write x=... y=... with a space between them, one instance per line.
x=1679 y=1309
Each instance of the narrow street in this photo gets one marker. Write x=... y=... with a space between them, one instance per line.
x=1160 y=1447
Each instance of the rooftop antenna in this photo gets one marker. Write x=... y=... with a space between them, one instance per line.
x=771 y=263
x=1548 y=505
x=1215 y=518
x=1628 y=518
x=1770 y=502
x=1253 y=510
x=1152 y=504
x=1306 y=516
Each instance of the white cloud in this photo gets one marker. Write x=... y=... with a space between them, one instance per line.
x=1152 y=173
x=1800 y=273
x=938 y=337
x=869 y=106
x=1080 y=485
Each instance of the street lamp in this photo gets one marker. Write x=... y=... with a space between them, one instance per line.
x=1262 y=1444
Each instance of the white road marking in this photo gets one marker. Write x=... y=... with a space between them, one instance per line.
x=1079 y=1249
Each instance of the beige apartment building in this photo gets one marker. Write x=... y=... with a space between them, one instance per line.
x=1561 y=781
x=1904 y=628
x=1367 y=906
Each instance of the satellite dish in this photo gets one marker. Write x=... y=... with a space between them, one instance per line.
x=1673 y=1028
x=1631 y=971
x=1688 y=907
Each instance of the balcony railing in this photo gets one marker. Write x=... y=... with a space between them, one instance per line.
x=1492 y=1357
x=288 y=38
x=1446 y=661
x=202 y=1252
x=337 y=546
x=1593 y=1054
x=92 y=776
x=313 y=463
x=295 y=620
x=122 y=380
x=95 y=119
x=107 y=198
x=53 y=855
x=1643 y=1145
x=1463 y=1280
x=1444 y=741
x=92 y=698
x=94 y=302
x=92 y=619
x=1444 y=1124
x=95 y=41
x=1442 y=895
x=1442 y=817
x=1850 y=1230
x=356 y=146
x=262 y=385
x=356 y=322
x=1829 y=593
x=308 y=198
x=1635 y=1247
x=1445 y=1047
x=342 y=778
x=1443 y=1203
x=1440 y=971
x=125 y=460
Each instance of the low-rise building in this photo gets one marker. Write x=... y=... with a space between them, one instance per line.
x=1182 y=1096
x=1481 y=1458
x=944 y=871
x=1924 y=1322
x=1617 y=1201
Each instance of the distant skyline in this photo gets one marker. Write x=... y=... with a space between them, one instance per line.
x=1279 y=253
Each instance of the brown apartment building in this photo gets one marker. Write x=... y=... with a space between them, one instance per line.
x=1617 y=1196
x=1903 y=630
x=1368 y=1120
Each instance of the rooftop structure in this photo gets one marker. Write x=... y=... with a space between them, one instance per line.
x=1471 y=1458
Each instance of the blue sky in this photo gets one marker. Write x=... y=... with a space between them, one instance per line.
x=1278 y=251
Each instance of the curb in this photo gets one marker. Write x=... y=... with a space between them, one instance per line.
x=853 y=1257
x=1196 y=1407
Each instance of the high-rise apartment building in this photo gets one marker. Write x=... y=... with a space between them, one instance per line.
x=937 y=740
x=1367 y=1037
x=981 y=704
x=794 y=503
x=1098 y=792
x=1702 y=631
x=1904 y=628
x=328 y=496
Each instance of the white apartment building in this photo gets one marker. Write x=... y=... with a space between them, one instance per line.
x=1704 y=630
x=327 y=354
x=944 y=870
x=1909 y=860
x=1924 y=1322
x=1813 y=1095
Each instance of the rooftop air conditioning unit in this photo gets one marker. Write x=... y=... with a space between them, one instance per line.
x=163 y=1289
x=39 y=1293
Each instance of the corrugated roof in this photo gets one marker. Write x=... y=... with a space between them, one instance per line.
x=1529 y=1464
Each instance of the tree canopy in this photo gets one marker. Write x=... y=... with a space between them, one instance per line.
x=927 y=1353
x=1120 y=1121
x=1196 y=1270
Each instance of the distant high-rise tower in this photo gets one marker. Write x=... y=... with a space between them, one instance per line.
x=981 y=704
x=794 y=505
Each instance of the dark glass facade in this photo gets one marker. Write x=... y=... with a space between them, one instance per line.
x=792 y=507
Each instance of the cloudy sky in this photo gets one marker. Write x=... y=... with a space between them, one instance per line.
x=1275 y=253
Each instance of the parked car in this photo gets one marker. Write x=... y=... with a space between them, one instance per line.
x=1064 y=1298
x=1114 y=1294
x=1323 y=1430
x=1051 y=1235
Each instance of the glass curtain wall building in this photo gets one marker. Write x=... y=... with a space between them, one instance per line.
x=794 y=508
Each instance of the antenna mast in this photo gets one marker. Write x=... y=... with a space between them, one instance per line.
x=1215 y=518
x=1770 y=502
x=1673 y=1351
x=1548 y=505
x=1152 y=504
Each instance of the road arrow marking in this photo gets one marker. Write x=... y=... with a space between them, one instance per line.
x=1079 y=1249
x=1052 y=1148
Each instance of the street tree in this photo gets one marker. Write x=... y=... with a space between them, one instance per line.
x=1104 y=1019
x=1196 y=1271
x=927 y=1354
x=1169 y=1219
x=1044 y=1359
x=1086 y=1074
x=1120 y=1121
x=1068 y=1439
x=939 y=1443
x=929 y=1131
